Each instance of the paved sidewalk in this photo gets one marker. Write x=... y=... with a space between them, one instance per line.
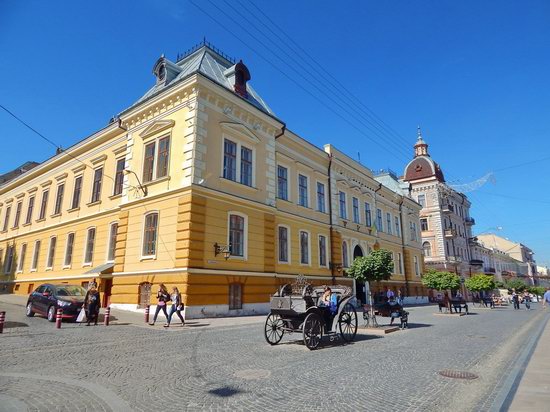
x=533 y=391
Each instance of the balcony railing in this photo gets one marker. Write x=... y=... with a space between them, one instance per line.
x=470 y=221
x=450 y=233
x=445 y=208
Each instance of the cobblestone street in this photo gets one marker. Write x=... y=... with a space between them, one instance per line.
x=141 y=368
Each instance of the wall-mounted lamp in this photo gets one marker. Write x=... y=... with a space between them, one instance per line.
x=337 y=267
x=223 y=249
x=142 y=188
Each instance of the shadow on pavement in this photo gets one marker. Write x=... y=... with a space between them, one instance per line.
x=418 y=325
x=11 y=324
x=225 y=391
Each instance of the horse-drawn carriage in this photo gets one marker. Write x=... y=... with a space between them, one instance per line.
x=299 y=308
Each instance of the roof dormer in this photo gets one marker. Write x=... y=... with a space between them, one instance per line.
x=165 y=71
x=238 y=75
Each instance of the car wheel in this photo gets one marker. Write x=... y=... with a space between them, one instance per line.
x=29 y=312
x=51 y=313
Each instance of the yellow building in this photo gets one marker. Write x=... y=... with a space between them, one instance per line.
x=199 y=185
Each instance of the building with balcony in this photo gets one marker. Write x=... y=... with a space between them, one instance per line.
x=199 y=185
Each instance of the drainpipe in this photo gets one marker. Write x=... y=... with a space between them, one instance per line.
x=403 y=245
x=331 y=264
x=282 y=131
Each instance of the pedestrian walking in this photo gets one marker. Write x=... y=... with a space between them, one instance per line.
x=546 y=298
x=92 y=284
x=92 y=303
x=527 y=300
x=177 y=306
x=400 y=297
x=515 y=299
x=163 y=297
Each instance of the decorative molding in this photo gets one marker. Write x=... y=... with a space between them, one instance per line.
x=62 y=176
x=46 y=183
x=156 y=127
x=100 y=159
x=78 y=169
x=119 y=150
x=239 y=130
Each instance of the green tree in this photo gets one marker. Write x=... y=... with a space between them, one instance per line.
x=499 y=284
x=537 y=290
x=433 y=279
x=377 y=266
x=480 y=283
x=517 y=284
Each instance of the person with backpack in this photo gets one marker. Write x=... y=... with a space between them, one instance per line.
x=177 y=306
x=92 y=303
x=163 y=298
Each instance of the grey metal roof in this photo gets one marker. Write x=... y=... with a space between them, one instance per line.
x=212 y=65
x=105 y=268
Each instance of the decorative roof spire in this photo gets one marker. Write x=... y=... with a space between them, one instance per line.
x=421 y=147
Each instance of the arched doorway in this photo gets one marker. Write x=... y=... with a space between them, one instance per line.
x=357 y=252
x=144 y=294
x=360 y=288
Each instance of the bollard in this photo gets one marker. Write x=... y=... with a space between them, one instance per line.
x=2 y=320
x=58 y=318
x=107 y=315
x=147 y=313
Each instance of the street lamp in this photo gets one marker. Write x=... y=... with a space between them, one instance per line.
x=143 y=189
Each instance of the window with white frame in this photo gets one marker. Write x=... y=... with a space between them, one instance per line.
x=18 y=208
x=342 y=205
x=355 y=206
x=368 y=216
x=394 y=269
x=304 y=247
x=6 y=219
x=345 y=259
x=400 y=262
x=397 y=226
x=22 y=254
x=416 y=267
x=35 y=255
x=238 y=162
x=320 y=197
x=303 y=191
x=77 y=192
x=90 y=245
x=8 y=259
x=30 y=208
x=379 y=224
x=422 y=200
x=119 y=176
x=59 y=199
x=51 y=252
x=69 y=250
x=44 y=204
x=150 y=234
x=237 y=235
x=388 y=222
x=423 y=224
x=246 y=166
x=156 y=158
x=283 y=244
x=113 y=229
x=96 y=186
x=412 y=227
x=322 y=251
x=282 y=182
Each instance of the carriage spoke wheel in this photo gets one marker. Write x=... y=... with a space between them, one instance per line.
x=273 y=330
x=313 y=331
x=347 y=322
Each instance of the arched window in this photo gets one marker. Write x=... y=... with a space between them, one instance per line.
x=427 y=248
x=345 y=260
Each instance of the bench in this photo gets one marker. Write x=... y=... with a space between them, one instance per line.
x=459 y=304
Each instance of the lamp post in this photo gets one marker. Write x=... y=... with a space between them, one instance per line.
x=142 y=188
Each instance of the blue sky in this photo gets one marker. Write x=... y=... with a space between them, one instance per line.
x=473 y=75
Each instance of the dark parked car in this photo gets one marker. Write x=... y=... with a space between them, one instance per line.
x=47 y=298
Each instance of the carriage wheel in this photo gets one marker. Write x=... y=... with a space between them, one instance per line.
x=347 y=322
x=313 y=331
x=273 y=331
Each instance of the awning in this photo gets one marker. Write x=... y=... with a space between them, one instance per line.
x=101 y=269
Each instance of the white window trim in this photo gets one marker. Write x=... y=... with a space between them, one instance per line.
x=123 y=177
x=249 y=144
x=326 y=251
x=288 y=246
x=48 y=255
x=346 y=205
x=149 y=257
x=146 y=142
x=65 y=266
x=397 y=225
x=33 y=269
x=19 y=268
x=101 y=191
x=308 y=247
x=308 y=180
x=109 y=242
x=244 y=257
x=389 y=230
x=358 y=210
x=325 y=197
x=84 y=263
x=400 y=263
x=288 y=182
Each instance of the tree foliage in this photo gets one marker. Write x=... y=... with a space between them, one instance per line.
x=537 y=290
x=499 y=284
x=433 y=279
x=377 y=266
x=517 y=284
x=480 y=283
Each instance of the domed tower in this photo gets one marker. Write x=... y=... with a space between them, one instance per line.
x=422 y=166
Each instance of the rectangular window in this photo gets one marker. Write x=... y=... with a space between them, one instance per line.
x=30 y=209
x=69 y=250
x=77 y=192
x=96 y=188
x=230 y=160
x=342 y=205
x=368 y=216
x=322 y=251
x=150 y=234
x=355 y=204
x=422 y=200
x=236 y=235
x=112 y=242
x=400 y=263
x=51 y=252
x=17 y=214
x=394 y=270
x=379 y=225
x=6 y=219
x=282 y=182
x=44 y=204
x=246 y=166
x=162 y=157
x=59 y=199
x=302 y=191
x=235 y=296
x=416 y=267
x=412 y=227
x=388 y=223
x=423 y=224
x=119 y=176
x=90 y=244
x=304 y=248
x=35 y=255
x=22 y=253
x=8 y=260
x=397 y=226
x=149 y=162
x=283 y=244
x=320 y=197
